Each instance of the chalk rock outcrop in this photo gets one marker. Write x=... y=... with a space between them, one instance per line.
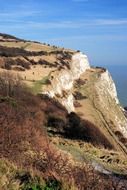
x=62 y=83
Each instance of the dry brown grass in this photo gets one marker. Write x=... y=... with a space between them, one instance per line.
x=23 y=139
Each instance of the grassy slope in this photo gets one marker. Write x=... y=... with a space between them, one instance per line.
x=95 y=111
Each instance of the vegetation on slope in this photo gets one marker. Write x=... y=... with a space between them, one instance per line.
x=42 y=147
x=27 y=159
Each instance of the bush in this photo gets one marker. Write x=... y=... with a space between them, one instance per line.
x=118 y=134
x=18 y=68
x=79 y=96
x=52 y=184
x=23 y=63
x=8 y=62
x=13 y=52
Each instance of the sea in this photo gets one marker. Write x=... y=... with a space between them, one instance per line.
x=119 y=75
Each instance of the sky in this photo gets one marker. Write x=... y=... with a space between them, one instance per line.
x=96 y=27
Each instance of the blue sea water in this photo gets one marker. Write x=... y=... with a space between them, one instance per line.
x=119 y=75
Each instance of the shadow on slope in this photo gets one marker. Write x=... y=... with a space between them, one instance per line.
x=73 y=127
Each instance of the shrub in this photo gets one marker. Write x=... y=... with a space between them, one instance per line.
x=81 y=82
x=23 y=63
x=18 y=68
x=8 y=62
x=118 y=134
x=79 y=96
x=53 y=184
x=123 y=140
x=77 y=104
x=13 y=52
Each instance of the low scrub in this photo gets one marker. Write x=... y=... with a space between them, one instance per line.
x=14 y=52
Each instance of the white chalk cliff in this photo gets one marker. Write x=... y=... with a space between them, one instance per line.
x=64 y=80
x=107 y=85
x=109 y=103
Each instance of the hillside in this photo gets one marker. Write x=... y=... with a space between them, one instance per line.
x=60 y=118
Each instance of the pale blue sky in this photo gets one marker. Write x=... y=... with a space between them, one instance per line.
x=96 y=27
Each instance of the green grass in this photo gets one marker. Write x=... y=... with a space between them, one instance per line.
x=38 y=85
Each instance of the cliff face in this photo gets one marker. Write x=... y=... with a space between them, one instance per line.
x=108 y=86
x=63 y=81
x=109 y=103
